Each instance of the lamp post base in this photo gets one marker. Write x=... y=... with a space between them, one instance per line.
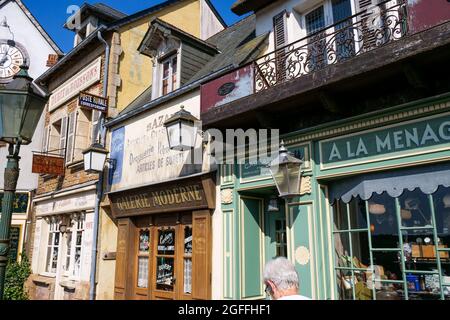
x=10 y=184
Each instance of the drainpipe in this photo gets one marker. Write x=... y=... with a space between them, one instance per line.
x=92 y=290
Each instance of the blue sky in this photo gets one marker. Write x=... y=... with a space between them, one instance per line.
x=52 y=14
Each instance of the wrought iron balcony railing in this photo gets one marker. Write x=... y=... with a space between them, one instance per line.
x=362 y=32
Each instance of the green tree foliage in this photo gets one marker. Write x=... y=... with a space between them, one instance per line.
x=16 y=275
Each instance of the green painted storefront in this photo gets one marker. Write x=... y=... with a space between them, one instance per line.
x=415 y=135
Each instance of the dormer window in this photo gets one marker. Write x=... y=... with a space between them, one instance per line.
x=169 y=80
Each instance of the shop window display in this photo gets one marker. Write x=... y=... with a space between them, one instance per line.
x=393 y=248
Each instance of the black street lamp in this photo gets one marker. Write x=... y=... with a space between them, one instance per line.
x=181 y=130
x=286 y=172
x=21 y=106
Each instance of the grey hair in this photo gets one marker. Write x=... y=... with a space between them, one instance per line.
x=282 y=273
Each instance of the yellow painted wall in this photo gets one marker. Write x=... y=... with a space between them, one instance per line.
x=106 y=269
x=135 y=69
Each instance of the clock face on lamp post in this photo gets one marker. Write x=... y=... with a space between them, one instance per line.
x=12 y=56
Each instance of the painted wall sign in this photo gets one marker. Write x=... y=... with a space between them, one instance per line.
x=426 y=134
x=182 y=195
x=230 y=87
x=45 y=164
x=425 y=14
x=82 y=80
x=20 y=203
x=92 y=101
x=144 y=149
x=260 y=171
x=74 y=203
x=117 y=146
x=226 y=88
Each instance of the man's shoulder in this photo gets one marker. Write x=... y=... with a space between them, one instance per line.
x=294 y=297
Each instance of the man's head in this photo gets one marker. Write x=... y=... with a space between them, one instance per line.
x=280 y=278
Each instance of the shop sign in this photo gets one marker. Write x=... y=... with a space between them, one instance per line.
x=387 y=143
x=259 y=170
x=176 y=196
x=93 y=102
x=81 y=81
x=141 y=149
x=20 y=203
x=46 y=164
x=73 y=203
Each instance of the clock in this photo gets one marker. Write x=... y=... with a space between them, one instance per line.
x=12 y=56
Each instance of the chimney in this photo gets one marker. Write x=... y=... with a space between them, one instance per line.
x=52 y=60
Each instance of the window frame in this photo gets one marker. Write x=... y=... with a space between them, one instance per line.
x=77 y=224
x=53 y=229
x=350 y=230
x=170 y=57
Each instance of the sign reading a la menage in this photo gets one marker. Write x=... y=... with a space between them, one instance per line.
x=426 y=134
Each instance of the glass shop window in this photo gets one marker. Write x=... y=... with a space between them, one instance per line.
x=143 y=258
x=393 y=248
x=74 y=245
x=187 y=260
x=165 y=272
x=280 y=238
x=54 y=237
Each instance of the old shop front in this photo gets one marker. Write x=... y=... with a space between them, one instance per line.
x=372 y=220
x=62 y=246
x=388 y=192
x=163 y=208
x=164 y=239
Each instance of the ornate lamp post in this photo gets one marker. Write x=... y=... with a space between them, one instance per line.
x=21 y=106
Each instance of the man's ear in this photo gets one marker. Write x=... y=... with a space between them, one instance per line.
x=272 y=285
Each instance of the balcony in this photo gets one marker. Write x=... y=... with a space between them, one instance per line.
x=373 y=60
x=360 y=33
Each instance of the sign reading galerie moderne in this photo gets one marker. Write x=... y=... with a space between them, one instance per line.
x=427 y=134
x=82 y=80
x=184 y=195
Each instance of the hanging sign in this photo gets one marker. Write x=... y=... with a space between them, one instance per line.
x=92 y=101
x=46 y=164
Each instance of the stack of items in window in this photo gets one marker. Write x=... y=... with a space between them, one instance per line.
x=419 y=246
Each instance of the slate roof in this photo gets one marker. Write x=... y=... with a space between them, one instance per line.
x=109 y=10
x=110 y=27
x=160 y=25
x=237 y=45
x=101 y=10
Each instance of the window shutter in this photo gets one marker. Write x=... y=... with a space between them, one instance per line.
x=279 y=28
x=71 y=137
x=63 y=136
x=46 y=139
x=201 y=255
x=368 y=31
x=280 y=36
x=95 y=126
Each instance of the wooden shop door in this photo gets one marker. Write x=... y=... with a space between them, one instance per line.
x=172 y=258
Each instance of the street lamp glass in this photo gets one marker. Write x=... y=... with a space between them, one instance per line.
x=21 y=107
x=95 y=158
x=286 y=173
x=181 y=130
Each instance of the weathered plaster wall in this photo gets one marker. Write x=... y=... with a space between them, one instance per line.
x=135 y=69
